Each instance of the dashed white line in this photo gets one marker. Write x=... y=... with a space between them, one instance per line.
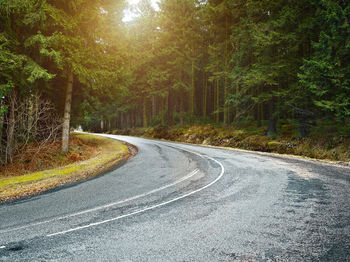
x=151 y=207
x=191 y=174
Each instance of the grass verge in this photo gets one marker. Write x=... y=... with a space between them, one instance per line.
x=107 y=153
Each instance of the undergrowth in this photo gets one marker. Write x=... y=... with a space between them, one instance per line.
x=88 y=156
x=328 y=146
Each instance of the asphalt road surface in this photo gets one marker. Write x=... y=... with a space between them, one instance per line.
x=176 y=202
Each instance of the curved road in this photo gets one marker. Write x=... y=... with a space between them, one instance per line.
x=176 y=202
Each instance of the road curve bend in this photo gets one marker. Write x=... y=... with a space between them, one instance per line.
x=177 y=202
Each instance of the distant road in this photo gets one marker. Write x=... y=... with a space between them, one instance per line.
x=176 y=202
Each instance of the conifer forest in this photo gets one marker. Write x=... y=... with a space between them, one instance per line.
x=237 y=63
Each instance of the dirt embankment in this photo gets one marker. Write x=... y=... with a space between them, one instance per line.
x=37 y=170
x=319 y=146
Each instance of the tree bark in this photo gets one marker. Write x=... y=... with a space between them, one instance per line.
x=128 y=120
x=144 y=113
x=163 y=111
x=121 y=120
x=258 y=114
x=1 y=135
x=272 y=130
x=225 y=98
x=67 y=113
x=36 y=116
x=226 y=120
x=217 y=115
x=102 y=126
x=154 y=106
x=11 y=129
x=181 y=111
x=236 y=109
x=192 y=93
x=205 y=97
x=170 y=108
x=303 y=127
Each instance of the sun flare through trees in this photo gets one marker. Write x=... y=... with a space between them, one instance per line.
x=107 y=65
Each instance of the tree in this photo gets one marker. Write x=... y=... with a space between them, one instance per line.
x=21 y=56
x=326 y=74
x=220 y=19
x=77 y=28
x=178 y=32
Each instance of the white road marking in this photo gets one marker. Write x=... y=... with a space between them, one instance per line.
x=194 y=172
x=2 y=247
x=151 y=207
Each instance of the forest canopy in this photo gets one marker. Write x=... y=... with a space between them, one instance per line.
x=224 y=62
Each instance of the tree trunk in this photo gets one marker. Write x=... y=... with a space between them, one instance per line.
x=303 y=127
x=29 y=119
x=36 y=116
x=170 y=108
x=272 y=127
x=214 y=99
x=1 y=135
x=11 y=129
x=258 y=114
x=163 y=111
x=272 y=120
x=217 y=118
x=67 y=111
x=181 y=111
x=144 y=113
x=205 y=97
x=192 y=94
x=225 y=98
x=128 y=122
x=226 y=120
x=102 y=126
x=154 y=106
x=121 y=120
x=236 y=111
x=135 y=119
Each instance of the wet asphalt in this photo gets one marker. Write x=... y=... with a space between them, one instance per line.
x=177 y=202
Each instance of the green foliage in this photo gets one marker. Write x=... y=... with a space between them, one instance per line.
x=20 y=61
x=327 y=72
x=243 y=62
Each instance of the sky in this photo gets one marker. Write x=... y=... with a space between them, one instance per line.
x=129 y=15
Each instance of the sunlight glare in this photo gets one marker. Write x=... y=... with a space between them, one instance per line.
x=129 y=14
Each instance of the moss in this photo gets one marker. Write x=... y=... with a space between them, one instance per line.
x=38 y=176
x=112 y=151
x=320 y=144
x=273 y=144
x=255 y=142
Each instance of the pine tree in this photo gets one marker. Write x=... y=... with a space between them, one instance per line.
x=178 y=22
x=326 y=74
x=83 y=48
x=22 y=48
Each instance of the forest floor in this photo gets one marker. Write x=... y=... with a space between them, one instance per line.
x=327 y=146
x=38 y=169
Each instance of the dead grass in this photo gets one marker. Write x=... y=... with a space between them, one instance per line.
x=325 y=146
x=37 y=157
x=89 y=156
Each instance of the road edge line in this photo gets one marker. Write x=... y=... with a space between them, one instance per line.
x=151 y=207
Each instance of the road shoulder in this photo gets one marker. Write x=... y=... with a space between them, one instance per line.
x=112 y=152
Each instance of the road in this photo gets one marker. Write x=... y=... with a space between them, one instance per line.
x=177 y=202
